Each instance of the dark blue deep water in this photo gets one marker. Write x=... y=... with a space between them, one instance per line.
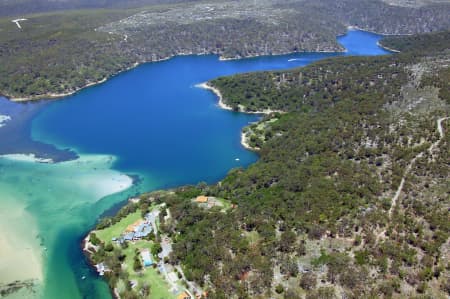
x=157 y=123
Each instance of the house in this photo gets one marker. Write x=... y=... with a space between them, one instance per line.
x=128 y=236
x=101 y=269
x=184 y=295
x=146 y=257
x=201 y=199
x=136 y=231
x=134 y=226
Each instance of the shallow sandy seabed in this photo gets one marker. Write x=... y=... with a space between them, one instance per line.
x=26 y=181
x=20 y=252
x=4 y=119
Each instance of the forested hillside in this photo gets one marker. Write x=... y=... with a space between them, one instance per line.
x=22 y=7
x=53 y=54
x=350 y=196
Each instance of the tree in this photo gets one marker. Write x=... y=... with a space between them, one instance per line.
x=308 y=281
x=109 y=247
x=279 y=289
x=146 y=290
x=156 y=249
x=287 y=241
x=322 y=293
x=94 y=239
x=137 y=265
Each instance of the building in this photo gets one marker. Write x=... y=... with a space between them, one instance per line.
x=184 y=295
x=134 y=226
x=134 y=232
x=201 y=199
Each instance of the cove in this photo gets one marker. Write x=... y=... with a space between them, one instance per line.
x=150 y=123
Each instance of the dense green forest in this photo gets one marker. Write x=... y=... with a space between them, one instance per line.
x=317 y=216
x=418 y=43
x=61 y=52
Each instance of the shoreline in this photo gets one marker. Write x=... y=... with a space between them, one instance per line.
x=56 y=96
x=244 y=138
x=245 y=143
x=24 y=239
x=221 y=104
x=351 y=27
x=222 y=58
x=387 y=48
x=27 y=158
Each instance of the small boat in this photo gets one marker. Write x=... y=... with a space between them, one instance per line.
x=83 y=277
x=295 y=59
x=237 y=159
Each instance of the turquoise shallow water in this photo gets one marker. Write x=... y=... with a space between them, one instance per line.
x=158 y=127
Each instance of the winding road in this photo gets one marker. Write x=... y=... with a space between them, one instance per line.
x=408 y=168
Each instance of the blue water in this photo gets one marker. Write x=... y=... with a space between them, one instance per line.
x=156 y=121
x=161 y=127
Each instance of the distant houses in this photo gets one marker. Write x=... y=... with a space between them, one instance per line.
x=102 y=268
x=184 y=295
x=201 y=199
x=207 y=201
x=136 y=231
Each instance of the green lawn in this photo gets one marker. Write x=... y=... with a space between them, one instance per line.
x=117 y=229
x=226 y=203
x=158 y=286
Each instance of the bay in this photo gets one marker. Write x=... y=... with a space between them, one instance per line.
x=151 y=123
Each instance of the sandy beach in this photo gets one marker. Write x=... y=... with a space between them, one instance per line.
x=245 y=142
x=222 y=105
x=26 y=158
x=387 y=48
x=244 y=138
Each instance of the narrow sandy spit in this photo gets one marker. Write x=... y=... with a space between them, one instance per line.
x=217 y=92
x=224 y=106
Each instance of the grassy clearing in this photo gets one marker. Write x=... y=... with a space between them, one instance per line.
x=149 y=275
x=117 y=229
x=226 y=203
x=159 y=288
